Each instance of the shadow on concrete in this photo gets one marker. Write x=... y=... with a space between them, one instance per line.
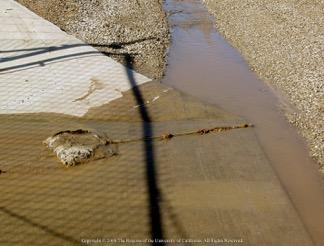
x=43 y=50
x=154 y=194
x=154 y=197
x=46 y=49
x=39 y=226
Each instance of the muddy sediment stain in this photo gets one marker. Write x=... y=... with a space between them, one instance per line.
x=28 y=131
x=203 y=64
x=217 y=184
x=94 y=85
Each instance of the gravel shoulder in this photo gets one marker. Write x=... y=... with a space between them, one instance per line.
x=135 y=27
x=283 y=43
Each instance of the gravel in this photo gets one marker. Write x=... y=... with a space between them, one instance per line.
x=283 y=42
x=117 y=27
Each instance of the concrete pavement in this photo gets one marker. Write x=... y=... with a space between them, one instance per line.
x=43 y=69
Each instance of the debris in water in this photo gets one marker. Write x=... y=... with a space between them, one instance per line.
x=155 y=98
x=167 y=136
x=79 y=146
x=147 y=102
x=203 y=131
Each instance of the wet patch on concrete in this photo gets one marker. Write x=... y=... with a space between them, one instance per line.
x=202 y=182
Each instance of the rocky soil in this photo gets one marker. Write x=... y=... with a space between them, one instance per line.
x=283 y=42
x=116 y=27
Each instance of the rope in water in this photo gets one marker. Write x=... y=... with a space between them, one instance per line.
x=106 y=141
x=169 y=136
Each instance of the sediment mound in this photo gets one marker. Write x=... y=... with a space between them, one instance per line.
x=79 y=146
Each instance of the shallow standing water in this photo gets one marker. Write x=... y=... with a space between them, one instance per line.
x=203 y=64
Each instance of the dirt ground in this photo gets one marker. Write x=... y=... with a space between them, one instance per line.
x=283 y=43
x=135 y=27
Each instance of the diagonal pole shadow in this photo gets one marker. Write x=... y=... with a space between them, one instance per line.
x=39 y=226
x=151 y=174
x=49 y=60
x=41 y=50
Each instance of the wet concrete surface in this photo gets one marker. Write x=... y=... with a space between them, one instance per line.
x=218 y=186
x=203 y=64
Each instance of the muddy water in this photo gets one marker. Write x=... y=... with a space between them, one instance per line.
x=203 y=64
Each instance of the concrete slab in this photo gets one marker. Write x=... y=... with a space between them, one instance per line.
x=43 y=69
